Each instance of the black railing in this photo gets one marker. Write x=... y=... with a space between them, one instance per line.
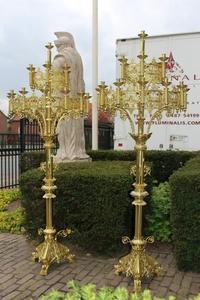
x=105 y=136
x=9 y=163
x=13 y=145
x=30 y=136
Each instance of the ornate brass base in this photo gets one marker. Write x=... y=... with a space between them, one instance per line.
x=138 y=264
x=51 y=251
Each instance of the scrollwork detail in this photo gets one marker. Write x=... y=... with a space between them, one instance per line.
x=64 y=232
x=126 y=240
x=150 y=239
x=133 y=171
x=147 y=170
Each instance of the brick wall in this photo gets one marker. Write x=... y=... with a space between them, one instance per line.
x=3 y=122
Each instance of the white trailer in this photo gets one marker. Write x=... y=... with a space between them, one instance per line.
x=182 y=131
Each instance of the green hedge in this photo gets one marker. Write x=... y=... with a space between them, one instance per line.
x=31 y=160
x=185 y=215
x=92 y=198
x=164 y=162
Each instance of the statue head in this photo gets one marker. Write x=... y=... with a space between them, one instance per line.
x=64 y=39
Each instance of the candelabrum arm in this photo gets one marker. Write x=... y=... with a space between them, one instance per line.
x=127 y=114
x=157 y=115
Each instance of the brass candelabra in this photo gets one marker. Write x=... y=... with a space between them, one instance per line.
x=49 y=105
x=144 y=88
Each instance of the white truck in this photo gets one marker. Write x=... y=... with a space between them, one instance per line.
x=182 y=131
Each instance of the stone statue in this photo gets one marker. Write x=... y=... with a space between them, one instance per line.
x=70 y=132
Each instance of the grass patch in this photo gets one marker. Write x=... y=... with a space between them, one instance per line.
x=7 y=196
x=10 y=221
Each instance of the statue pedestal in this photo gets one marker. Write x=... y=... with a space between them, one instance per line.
x=65 y=160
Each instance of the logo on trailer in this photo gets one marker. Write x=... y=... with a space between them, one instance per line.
x=172 y=67
x=176 y=73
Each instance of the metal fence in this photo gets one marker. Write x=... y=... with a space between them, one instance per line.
x=11 y=148
x=9 y=160
x=13 y=145
x=105 y=136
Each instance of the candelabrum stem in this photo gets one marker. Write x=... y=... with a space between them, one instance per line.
x=138 y=263
x=139 y=183
x=50 y=250
x=49 y=181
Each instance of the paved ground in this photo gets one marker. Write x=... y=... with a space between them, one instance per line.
x=19 y=277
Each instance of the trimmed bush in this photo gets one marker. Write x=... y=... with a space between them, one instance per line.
x=163 y=162
x=34 y=206
x=31 y=160
x=166 y=162
x=185 y=215
x=92 y=199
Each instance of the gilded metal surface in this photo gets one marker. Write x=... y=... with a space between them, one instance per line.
x=143 y=88
x=51 y=251
x=48 y=105
x=133 y=171
x=138 y=264
x=147 y=170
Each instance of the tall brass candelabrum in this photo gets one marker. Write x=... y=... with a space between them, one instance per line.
x=48 y=106
x=143 y=88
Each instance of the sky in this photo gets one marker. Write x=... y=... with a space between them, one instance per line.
x=27 y=25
